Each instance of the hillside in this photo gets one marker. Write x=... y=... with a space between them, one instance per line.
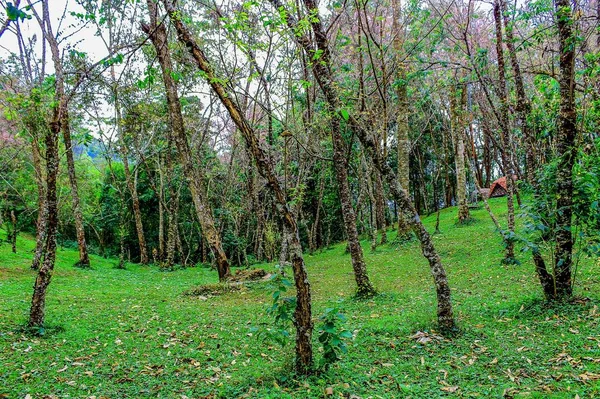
x=132 y=333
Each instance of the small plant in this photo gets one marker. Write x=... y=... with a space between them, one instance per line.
x=332 y=335
x=282 y=309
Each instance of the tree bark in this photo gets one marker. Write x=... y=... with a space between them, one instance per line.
x=523 y=105
x=161 y=212
x=38 y=300
x=457 y=102
x=13 y=231
x=363 y=284
x=379 y=205
x=172 y=231
x=402 y=133
x=40 y=238
x=505 y=133
x=302 y=314
x=317 y=221
x=158 y=36
x=84 y=259
x=566 y=150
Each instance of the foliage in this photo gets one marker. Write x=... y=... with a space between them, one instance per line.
x=282 y=310
x=541 y=211
x=332 y=335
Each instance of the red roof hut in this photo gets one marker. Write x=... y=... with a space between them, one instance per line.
x=498 y=187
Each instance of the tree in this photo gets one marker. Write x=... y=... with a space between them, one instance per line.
x=557 y=285
x=38 y=301
x=302 y=314
x=323 y=75
x=158 y=35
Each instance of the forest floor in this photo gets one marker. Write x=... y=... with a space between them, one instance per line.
x=133 y=333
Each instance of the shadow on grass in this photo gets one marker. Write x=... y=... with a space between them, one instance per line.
x=40 y=332
x=539 y=308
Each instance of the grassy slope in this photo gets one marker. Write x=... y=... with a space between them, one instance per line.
x=130 y=333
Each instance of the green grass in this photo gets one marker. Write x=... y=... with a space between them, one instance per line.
x=133 y=333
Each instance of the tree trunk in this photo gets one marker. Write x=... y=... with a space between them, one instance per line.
x=566 y=149
x=324 y=76
x=84 y=259
x=172 y=231
x=122 y=233
x=505 y=133
x=317 y=220
x=135 y=202
x=161 y=213
x=158 y=35
x=40 y=238
x=14 y=231
x=260 y=214
x=38 y=300
x=302 y=314
x=369 y=189
x=380 y=205
x=523 y=105
x=457 y=103
x=363 y=284
x=402 y=133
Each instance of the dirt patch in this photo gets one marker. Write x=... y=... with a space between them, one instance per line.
x=249 y=275
x=209 y=290
x=7 y=272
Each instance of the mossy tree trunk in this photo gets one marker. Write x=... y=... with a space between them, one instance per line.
x=37 y=311
x=303 y=313
x=158 y=36
x=458 y=97
x=559 y=285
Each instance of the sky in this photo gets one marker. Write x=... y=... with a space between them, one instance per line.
x=68 y=26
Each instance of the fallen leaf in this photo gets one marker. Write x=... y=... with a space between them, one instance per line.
x=450 y=389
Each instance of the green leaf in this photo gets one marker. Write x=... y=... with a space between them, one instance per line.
x=345 y=114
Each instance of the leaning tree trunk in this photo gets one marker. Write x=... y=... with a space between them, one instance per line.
x=158 y=35
x=84 y=259
x=523 y=106
x=324 y=76
x=302 y=314
x=38 y=300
